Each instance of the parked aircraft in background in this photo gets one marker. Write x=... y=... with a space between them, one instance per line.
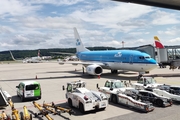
x=158 y=44
x=96 y=61
x=70 y=57
x=36 y=59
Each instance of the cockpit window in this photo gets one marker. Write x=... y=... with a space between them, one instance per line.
x=147 y=57
x=144 y=57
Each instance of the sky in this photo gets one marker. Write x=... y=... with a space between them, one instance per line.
x=43 y=24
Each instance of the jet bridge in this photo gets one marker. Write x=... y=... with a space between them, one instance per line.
x=170 y=55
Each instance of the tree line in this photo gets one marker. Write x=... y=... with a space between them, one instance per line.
x=21 y=54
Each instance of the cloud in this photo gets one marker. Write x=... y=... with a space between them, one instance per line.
x=55 y=2
x=6 y=29
x=34 y=24
x=175 y=40
x=49 y=22
x=112 y=17
x=164 y=18
x=175 y=30
x=16 y=8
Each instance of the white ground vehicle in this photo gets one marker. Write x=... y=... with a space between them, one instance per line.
x=149 y=83
x=29 y=90
x=80 y=97
x=116 y=92
x=145 y=82
x=174 y=97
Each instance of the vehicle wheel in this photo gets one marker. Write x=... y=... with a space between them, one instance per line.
x=21 y=116
x=13 y=117
x=159 y=102
x=22 y=99
x=8 y=117
x=39 y=98
x=35 y=115
x=30 y=116
x=114 y=99
x=17 y=94
x=81 y=107
x=103 y=108
x=70 y=103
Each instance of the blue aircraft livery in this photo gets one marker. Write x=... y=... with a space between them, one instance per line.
x=114 y=60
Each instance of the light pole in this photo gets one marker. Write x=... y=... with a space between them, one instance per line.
x=122 y=44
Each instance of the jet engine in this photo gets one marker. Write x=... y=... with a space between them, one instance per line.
x=94 y=69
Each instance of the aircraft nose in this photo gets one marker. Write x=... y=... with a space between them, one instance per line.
x=154 y=62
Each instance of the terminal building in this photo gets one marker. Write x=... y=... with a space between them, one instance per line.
x=168 y=56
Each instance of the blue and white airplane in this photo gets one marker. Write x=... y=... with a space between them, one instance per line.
x=127 y=60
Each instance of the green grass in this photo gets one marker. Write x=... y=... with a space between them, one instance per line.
x=8 y=62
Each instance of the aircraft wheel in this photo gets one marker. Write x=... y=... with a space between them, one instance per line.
x=114 y=71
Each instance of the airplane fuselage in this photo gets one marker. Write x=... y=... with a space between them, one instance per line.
x=120 y=59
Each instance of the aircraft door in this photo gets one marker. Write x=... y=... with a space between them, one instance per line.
x=131 y=59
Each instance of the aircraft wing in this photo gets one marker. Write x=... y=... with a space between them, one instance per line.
x=171 y=4
x=83 y=63
x=63 y=53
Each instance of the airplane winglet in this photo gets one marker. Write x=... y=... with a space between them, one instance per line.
x=158 y=43
x=12 y=56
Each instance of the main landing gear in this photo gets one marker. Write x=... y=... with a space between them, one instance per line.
x=114 y=71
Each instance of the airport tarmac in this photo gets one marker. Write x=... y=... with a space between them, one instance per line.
x=53 y=76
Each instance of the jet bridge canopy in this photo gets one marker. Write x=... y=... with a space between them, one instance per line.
x=171 y=4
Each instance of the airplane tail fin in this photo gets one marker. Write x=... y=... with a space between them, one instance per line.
x=158 y=43
x=12 y=56
x=79 y=45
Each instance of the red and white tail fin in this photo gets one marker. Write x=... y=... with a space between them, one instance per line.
x=158 y=43
x=38 y=53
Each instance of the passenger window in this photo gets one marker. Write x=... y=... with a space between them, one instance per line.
x=69 y=88
x=150 y=95
x=107 y=84
x=140 y=81
x=21 y=86
x=32 y=87
x=144 y=94
x=141 y=57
